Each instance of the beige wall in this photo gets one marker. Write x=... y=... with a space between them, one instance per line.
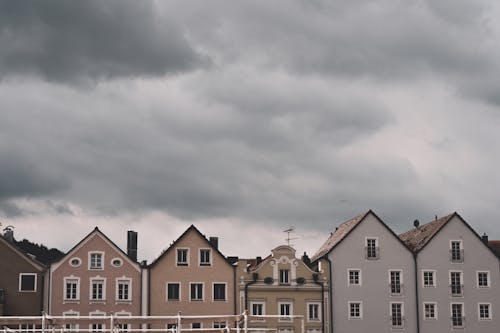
x=165 y=270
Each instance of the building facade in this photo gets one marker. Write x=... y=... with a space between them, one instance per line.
x=372 y=277
x=285 y=286
x=96 y=278
x=458 y=277
x=192 y=277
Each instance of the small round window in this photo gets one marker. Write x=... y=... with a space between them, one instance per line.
x=117 y=262
x=75 y=262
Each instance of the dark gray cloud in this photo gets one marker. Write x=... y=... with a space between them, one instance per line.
x=82 y=40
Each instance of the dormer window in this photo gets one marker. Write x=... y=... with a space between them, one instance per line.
x=371 y=249
x=205 y=257
x=182 y=257
x=284 y=276
x=96 y=260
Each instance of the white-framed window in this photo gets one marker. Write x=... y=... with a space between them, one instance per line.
x=196 y=326
x=313 y=311
x=171 y=327
x=257 y=308
x=397 y=314
x=355 y=309
x=173 y=291
x=219 y=291
x=205 y=257
x=483 y=279
x=27 y=282
x=24 y=328
x=97 y=289
x=456 y=283
x=456 y=251
x=285 y=310
x=182 y=256
x=430 y=310
x=71 y=288
x=96 y=260
x=354 y=277
x=196 y=291
x=123 y=289
x=284 y=276
x=484 y=311
x=457 y=315
x=396 y=281
x=428 y=278
x=371 y=248
x=72 y=327
x=219 y=324
x=116 y=262
x=75 y=262
x=100 y=326
x=122 y=326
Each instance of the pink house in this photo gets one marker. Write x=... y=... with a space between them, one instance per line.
x=96 y=278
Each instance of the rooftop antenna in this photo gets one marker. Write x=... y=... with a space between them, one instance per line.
x=288 y=238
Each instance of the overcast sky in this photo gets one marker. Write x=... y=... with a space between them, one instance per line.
x=245 y=118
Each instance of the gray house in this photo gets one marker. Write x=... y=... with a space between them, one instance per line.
x=372 y=277
x=458 y=277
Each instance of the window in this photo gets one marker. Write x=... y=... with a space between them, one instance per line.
x=355 y=310
x=484 y=311
x=284 y=276
x=123 y=292
x=196 y=291
x=196 y=325
x=97 y=289
x=27 y=282
x=122 y=327
x=354 y=277
x=173 y=291
x=205 y=257
x=220 y=324
x=313 y=311
x=71 y=326
x=483 y=279
x=395 y=282
x=285 y=310
x=430 y=311
x=182 y=257
x=456 y=283
x=371 y=249
x=429 y=279
x=397 y=318
x=75 y=262
x=116 y=262
x=219 y=292
x=172 y=327
x=71 y=289
x=456 y=252
x=97 y=327
x=258 y=308
x=457 y=317
x=96 y=260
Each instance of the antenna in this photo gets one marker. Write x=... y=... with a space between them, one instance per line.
x=288 y=238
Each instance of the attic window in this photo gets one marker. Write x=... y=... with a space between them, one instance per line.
x=75 y=262
x=117 y=262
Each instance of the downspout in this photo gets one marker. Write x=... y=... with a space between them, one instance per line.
x=330 y=267
x=315 y=280
x=416 y=292
x=234 y=293
x=42 y=289
x=255 y=277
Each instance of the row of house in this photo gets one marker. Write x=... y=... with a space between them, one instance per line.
x=437 y=277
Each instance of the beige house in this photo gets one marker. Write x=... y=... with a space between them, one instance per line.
x=284 y=286
x=194 y=278
x=96 y=278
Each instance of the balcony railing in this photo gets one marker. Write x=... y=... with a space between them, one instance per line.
x=457 y=256
x=458 y=321
x=457 y=290
x=372 y=253
x=397 y=322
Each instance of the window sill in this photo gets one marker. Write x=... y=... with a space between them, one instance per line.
x=71 y=301
x=94 y=301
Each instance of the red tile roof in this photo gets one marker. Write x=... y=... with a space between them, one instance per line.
x=417 y=238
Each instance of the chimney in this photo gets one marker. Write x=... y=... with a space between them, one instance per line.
x=258 y=260
x=484 y=237
x=214 y=241
x=306 y=260
x=8 y=233
x=132 y=245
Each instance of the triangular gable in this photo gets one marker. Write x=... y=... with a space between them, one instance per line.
x=79 y=245
x=36 y=264
x=344 y=230
x=194 y=229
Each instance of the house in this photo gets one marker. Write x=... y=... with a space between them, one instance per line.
x=285 y=286
x=192 y=277
x=96 y=278
x=458 y=277
x=21 y=280
x=372 y=277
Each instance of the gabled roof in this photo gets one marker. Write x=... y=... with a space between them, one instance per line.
x=202 y=236
x=417 y=238
x=98 y=232
x=35 y=263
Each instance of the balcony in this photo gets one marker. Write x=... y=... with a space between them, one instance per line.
x=456 y=256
